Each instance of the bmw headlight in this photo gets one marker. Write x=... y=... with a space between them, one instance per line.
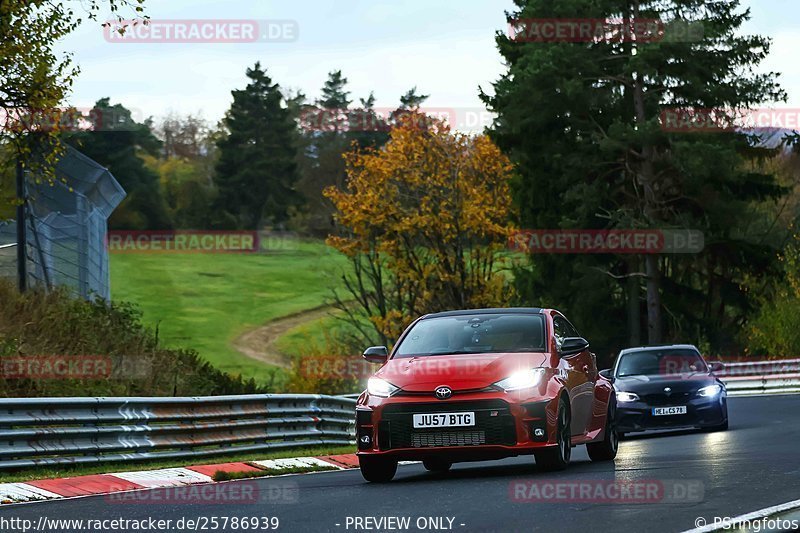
x=523 y=379
x=712 y=391
x=380 y=387
x=626 y=397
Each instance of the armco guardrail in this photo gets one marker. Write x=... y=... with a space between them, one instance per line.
x=58 y=431
x=750 y=378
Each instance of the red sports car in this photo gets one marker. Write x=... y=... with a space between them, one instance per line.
x=484 y=384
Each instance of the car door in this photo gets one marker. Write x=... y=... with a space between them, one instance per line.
x=581 y=376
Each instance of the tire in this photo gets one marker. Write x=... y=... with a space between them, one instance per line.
x=377 y=469
x=557 y=457
x=436 y=465
x=606 y=449
x=724 y=425
x=721 y=427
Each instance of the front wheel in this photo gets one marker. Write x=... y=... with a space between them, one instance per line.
x=721 y=427
x=377 y=469
x=724 y=425
x=557 y=457
x=606 y=449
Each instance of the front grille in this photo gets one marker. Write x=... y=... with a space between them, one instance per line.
x=440 y=406
x=676 y=398
x=448 y=438
x=494 y=424
x=670 y=421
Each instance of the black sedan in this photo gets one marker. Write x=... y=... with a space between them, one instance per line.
x=667 y=387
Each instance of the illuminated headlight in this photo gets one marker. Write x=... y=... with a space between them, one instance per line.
x=380 y=387
x=712 y=391
x=626 y=397
x=524 y=379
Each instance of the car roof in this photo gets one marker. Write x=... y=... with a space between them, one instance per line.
x=660 y=347
x=488 y=311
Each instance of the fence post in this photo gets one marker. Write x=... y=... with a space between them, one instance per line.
x=22 y=260
x=83 y=245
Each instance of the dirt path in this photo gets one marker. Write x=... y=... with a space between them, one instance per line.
x=259 y=343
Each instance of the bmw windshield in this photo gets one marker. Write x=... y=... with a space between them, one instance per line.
x=660 y=363
x=468 y=334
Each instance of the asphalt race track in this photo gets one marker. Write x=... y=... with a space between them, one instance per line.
x=756 y=464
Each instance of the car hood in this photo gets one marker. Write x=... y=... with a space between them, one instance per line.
x=655 y=384
x=459 y=372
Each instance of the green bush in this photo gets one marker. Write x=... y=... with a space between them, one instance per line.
x=775 y=330
x=40 y=324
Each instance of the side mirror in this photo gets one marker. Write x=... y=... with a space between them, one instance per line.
x=607 y=374
x=573 y=345
x=715 y=366
x=376 y=354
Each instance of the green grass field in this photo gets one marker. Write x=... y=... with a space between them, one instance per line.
x=205 y=301
x=311 y=338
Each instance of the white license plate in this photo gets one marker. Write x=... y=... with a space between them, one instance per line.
x=666 y=411
x=444 y=420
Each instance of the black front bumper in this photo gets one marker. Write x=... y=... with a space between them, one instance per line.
x=494 y=425
x=700 y=412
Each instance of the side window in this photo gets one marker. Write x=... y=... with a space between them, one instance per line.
x=559 y=330
x=571 y=331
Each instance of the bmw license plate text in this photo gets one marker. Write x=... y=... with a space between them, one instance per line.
x=666 y=411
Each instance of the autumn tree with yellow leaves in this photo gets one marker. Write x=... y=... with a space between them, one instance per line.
x=424 y=221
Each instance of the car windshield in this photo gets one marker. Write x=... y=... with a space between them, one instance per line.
x=478 y=333
x=660 y=363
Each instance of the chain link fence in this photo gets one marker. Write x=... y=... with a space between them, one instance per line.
x=65 y=228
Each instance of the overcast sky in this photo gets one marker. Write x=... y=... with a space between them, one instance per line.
x=445 y=47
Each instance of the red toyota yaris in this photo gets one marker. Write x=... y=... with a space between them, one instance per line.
x=484 y=384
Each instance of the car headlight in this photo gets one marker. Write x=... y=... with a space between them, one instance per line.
x=625 y=397
x=523 y=379
x=380 y=387
x=712 y=391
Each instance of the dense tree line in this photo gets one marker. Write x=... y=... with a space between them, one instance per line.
x=580 y=121
x=265 y=164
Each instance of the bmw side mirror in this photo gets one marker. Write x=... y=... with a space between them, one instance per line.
x=376 y=354
x=716 y=366
x=607 y=374
x=573 y=345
